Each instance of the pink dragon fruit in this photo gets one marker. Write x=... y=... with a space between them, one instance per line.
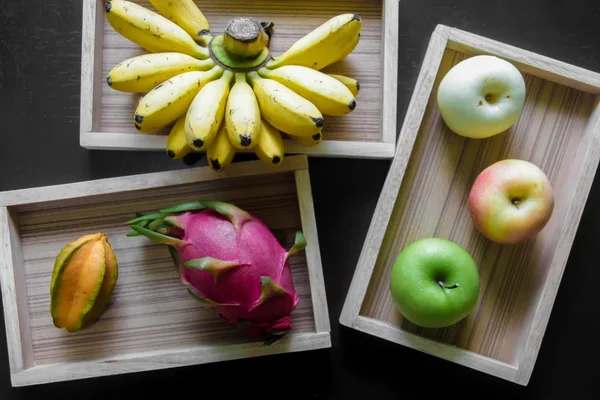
x=231 y=262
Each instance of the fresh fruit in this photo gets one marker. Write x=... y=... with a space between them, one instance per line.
x=143 y=73
x=481 y=96
x=350 y=83
x=511 y=201
x=288 y=92
x=308 y=141
x=151 y=30
x=221 y=152
x=285 y=109
x=187 y=15
x=231 y=263
x=434 y=283
x=177 y=146
x=328 y=43
x=242 y=115
x=328 y=94
x=83 y=279
x=270 y=146
x=350 y=48
x=171 y=99
x=205 y=114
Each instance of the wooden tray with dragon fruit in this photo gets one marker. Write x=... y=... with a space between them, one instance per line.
x=161 y=270
x=293 y=77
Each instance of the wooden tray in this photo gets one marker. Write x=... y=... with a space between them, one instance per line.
x=425 y=195
x=153 y=323
x=368 y=132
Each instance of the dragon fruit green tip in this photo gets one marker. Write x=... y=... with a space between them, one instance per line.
x=230 y=262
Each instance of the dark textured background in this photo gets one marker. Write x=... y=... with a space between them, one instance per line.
x=40 y=44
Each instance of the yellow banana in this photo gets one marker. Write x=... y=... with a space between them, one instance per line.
x=285 y=109
x=270 y=146
x=187 y=15
x=308 y=141
x=350 y=46
x=329 y=95
x=350 y=83
x=205 y=115
x=221 y=152
x=143 y=73
x=151 y=30
x=177 y=147
x=325 y=45
x=171 y=99
x=242 y=115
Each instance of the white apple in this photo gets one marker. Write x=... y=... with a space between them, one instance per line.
x=481 y=96
x=511 y=201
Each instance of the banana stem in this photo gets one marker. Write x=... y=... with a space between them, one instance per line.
x=245 y=38
x=252 y=76
x=205 y=39
x=203 y=53
x=240 y=77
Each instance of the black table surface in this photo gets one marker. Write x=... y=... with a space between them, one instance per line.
x=40 y=50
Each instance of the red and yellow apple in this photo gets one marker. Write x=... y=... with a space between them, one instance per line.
x=511 y=201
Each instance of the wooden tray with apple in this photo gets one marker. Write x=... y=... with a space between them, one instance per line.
x=495 y=160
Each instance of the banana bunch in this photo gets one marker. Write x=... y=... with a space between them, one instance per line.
x=227 y=93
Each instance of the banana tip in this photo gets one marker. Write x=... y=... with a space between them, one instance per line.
x=109 y=81
x=245 y=140
x=276 y=160
x=198 y=143
x=319 y=122
x=171 y=153
x=216 y=165
x=352 y=105
x=356 y=17
x=107 y=6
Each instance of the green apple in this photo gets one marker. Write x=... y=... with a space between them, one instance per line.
x=434 y=283
x=481 y=96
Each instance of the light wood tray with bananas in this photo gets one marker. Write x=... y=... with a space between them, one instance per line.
x=185 y=77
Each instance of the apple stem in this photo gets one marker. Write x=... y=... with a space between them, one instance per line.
x=448 y=286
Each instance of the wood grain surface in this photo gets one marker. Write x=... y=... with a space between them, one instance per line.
x=150 y=308
x=293 y=19
x=432 y=202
